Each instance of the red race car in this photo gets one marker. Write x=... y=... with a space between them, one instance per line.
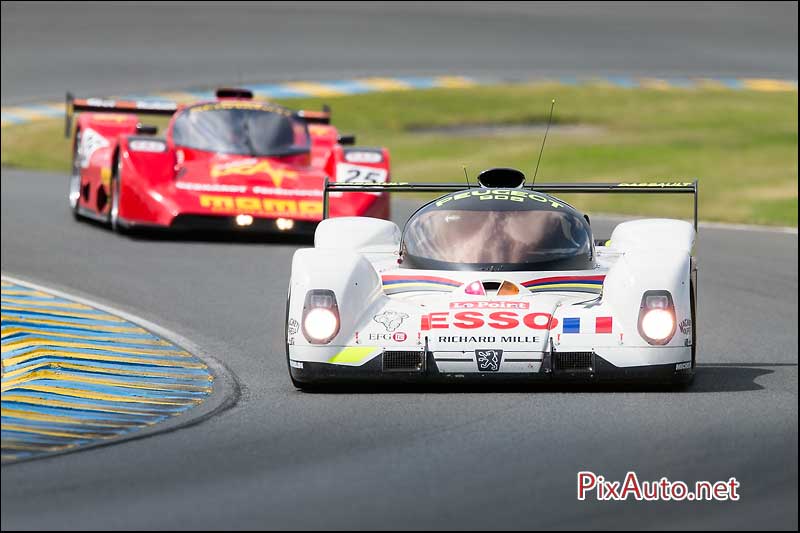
x=233 y=163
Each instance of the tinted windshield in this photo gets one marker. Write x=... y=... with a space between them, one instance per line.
x=240 y=128
x=508 y=238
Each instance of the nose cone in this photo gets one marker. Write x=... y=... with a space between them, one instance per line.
x=263 y=170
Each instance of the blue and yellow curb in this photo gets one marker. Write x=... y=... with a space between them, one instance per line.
x=22 y=114
x=75 y=376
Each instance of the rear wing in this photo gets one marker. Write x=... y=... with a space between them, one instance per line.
x=110 y=105
x=165 y=107
x=672 y=187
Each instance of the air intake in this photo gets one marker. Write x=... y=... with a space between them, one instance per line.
x=573 y=362
x=405 y=361
x=234 y=92
x=506 y=178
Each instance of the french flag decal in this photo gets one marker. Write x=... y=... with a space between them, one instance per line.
x=603 y=324
x=571 y=325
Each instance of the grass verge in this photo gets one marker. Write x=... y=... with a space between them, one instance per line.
x=741 y=145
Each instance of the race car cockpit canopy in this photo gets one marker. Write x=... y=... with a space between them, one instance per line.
x=241 y=128
x=497 y=230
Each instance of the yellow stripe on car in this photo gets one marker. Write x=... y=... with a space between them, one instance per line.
x=354 y=354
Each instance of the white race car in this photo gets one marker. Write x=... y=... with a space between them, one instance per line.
x=494 y=281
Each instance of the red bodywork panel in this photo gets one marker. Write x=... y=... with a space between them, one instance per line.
x=159 y=181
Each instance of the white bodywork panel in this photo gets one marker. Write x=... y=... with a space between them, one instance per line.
x=653 y=234
x=385 y=307
x=357 y=233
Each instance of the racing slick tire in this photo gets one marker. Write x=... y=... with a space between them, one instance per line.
x=303 y=386
x=114 y=192
x=74 y=190
x=684 y=380
x=692 y=300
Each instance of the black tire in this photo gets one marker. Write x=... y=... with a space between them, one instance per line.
x=74 y=188
x=692 y=299
x=684 y=380
x=114 y=188
x=297 y=384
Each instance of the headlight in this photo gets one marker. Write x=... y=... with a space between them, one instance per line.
x=284 y=224
x=320 y=316
x=320 y=324
x=244 y=220
x=657 y=317
x=658 y=324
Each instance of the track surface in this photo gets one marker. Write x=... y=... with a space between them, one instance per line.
x=114 y=49
x=465 y=459
x=457 y=459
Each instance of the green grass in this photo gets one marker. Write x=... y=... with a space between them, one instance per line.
x=741 y=145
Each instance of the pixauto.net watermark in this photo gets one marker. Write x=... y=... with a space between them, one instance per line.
x=631 y=488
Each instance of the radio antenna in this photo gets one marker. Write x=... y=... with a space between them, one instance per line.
x=549 y=121
x=466 y=176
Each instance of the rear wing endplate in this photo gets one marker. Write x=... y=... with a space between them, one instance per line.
x=110 y=105
x=665 y=187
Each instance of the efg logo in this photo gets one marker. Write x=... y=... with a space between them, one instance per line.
x=397 y=336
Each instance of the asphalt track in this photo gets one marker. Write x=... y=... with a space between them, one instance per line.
x=120 y=49
x=474 y=458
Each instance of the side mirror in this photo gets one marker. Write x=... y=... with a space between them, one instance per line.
x=347 y=140
x=146 y=129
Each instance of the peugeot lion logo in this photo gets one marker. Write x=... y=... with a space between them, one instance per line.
x=489 y=360
x=391 y=320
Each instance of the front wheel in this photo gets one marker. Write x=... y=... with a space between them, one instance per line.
x=297 y=384
x=113 y=212
x=685 y=380
x=692 y=300
x=74 y=191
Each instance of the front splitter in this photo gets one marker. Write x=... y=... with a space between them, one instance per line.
x=601 y=371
